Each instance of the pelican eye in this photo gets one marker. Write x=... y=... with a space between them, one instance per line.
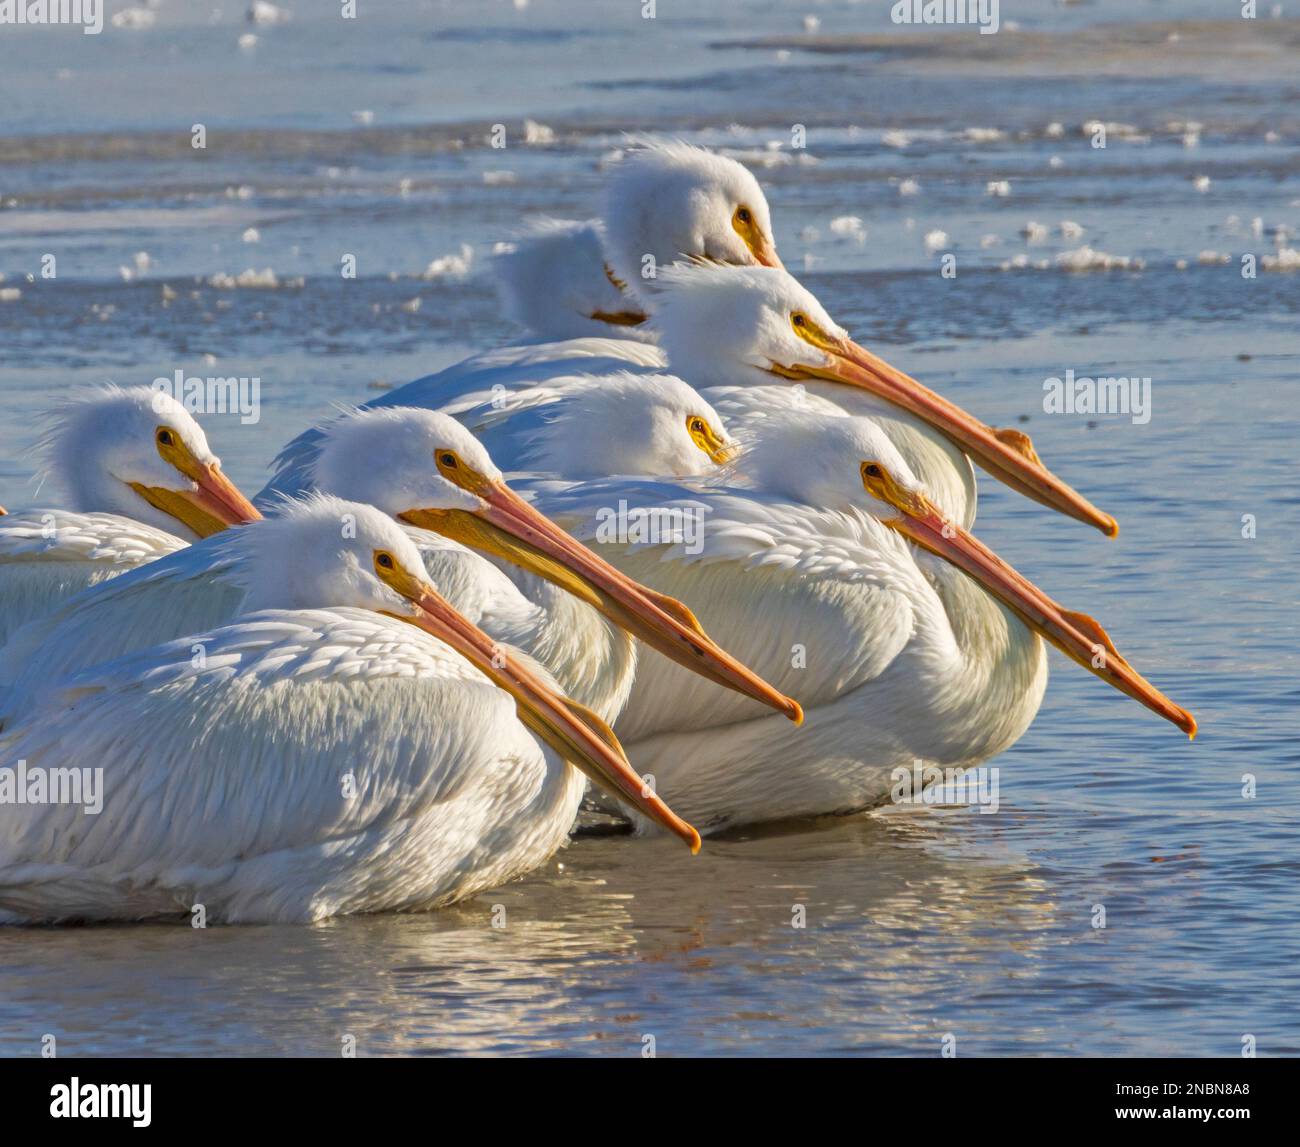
x=697 y=426
x=384 y=560
x=871 y=470
x=744 y=215
x=166 y=438
x=799 y=319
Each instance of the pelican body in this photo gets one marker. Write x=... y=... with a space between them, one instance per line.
x=824 y=565
x=375 y=751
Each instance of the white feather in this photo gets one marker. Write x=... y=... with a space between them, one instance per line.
x=48 y=556
x=553 y=282
x=227 y=784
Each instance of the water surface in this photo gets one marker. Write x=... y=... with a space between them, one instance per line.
x=916 y=924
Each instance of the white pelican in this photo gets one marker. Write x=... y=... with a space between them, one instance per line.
x=425 y=469
x=349 y=744
x=138 y=481
x=826 y=567
x=665 y=201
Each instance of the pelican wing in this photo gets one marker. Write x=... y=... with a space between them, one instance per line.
x=807 y=599
x=47 y=556
x=301 y=763
x=183 y=592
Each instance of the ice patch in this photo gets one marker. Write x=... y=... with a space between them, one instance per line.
x=1086 y=259
x=451 y=266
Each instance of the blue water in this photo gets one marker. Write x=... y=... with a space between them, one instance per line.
x=918 y=924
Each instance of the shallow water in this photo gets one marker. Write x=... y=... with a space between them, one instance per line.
x=918 y=924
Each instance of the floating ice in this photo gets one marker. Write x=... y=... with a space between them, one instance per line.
x=264 y=279
x=260 y=12
x=537 y=133
x=134 y=18
x=1086 y=259
x=1286 y=259
x=455 y=266
x=849 y=227
x=935 y=240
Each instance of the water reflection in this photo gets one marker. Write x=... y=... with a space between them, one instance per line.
x=619 y=939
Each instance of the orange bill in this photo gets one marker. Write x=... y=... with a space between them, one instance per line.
x=511 y=528
x=574 y=732
x=1077 y=635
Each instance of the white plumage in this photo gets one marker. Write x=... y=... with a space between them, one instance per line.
x=299 y=762
x=554 y=282
x=230 y=793
x=102 y=452
x=726 y=331
x=565 y=279
x=894 y=654
x=425 y=469
x=48 y=556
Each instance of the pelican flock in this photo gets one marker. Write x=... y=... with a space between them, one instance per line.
x=685 y=539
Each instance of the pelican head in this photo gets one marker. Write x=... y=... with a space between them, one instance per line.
x=673 y=201
x=856 y=466
x=138 y=452
x=624 y=423
x=425 y=469
x=324 y=552
x=745 y=325
x=401 y=458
